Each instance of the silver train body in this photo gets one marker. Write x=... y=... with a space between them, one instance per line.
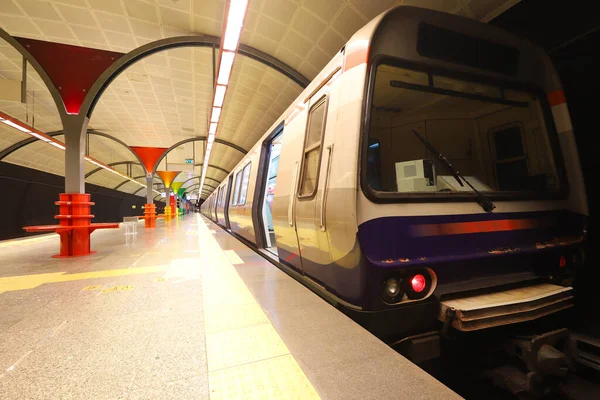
x=339 y=193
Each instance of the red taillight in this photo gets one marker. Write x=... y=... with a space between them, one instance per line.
x=418 y=283
x=563 y=262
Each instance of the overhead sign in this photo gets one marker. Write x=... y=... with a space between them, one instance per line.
x=189 y=160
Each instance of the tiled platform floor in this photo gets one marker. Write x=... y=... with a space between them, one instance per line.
x=184 y=311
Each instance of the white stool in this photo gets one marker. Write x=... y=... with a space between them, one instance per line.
x=130 y=225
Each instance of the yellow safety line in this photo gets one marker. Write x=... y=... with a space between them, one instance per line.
x=28 y=241
x=22 y=282
x=246 y=357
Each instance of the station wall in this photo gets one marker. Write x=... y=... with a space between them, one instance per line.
x=27 y=197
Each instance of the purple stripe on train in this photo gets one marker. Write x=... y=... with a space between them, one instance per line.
x=409 y=241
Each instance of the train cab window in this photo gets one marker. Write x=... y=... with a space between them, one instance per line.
x=510 y=157
x=312 y=149
x=495 y=136
x=236 y=190
x=244 y=185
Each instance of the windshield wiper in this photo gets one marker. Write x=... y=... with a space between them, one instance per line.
x=482 y=200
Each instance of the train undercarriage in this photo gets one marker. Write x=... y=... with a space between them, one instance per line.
x=509 y=339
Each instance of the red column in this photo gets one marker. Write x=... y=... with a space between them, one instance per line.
x=65 y=234
x=173 y=205
x=75 y=219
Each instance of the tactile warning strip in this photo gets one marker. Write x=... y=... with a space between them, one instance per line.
x=246 y=357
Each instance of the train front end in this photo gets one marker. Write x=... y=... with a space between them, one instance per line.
x=471 y=206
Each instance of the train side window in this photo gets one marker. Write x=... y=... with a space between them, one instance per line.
x=236 y=190
x=245 y=179
x=312 y=149
x=223 y=193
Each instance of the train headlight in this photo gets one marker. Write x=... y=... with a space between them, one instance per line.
x=391 y=290
x=403 y=286
x=392 y=287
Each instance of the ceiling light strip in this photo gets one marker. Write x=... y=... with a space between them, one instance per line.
x=230 y=40
x=16 y=124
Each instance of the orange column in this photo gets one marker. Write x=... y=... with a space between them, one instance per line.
x=149 y=156
x=75 y=220
x=150 y=215
x=167 y=178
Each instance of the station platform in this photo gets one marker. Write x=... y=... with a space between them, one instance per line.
x=183 y=311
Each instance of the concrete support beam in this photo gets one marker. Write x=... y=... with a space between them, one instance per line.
x=75 y=128
x=149 y=192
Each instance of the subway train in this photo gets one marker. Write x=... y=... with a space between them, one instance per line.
x=426 y=181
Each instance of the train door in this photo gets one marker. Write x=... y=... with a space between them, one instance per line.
x=217 y=204
x=214 y=206
x=227 y=199
x=267 y=175
x=312 y=239
x=288 y=166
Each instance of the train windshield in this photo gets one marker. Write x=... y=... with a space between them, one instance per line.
x=496 y=137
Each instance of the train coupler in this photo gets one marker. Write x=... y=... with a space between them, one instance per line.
x=545 y=361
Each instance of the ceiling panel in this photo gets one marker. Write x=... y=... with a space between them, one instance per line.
x=40 y=156
x=164 y=100
x=104 y=178
x=108 y=151
x=166 y=97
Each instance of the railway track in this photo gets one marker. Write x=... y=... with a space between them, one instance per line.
x=472 y=376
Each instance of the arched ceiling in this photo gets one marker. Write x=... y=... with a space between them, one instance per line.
x=166 y=97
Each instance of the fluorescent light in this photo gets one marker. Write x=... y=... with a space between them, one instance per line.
x=227 y=58
x=55 y=144
x=216 y=113
x=37 y=135
x=61 y=146
x=17 y=126
x=95 y=162
x=219 y=95
x=235 y=20
x=114 y=171
x=230 y=41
